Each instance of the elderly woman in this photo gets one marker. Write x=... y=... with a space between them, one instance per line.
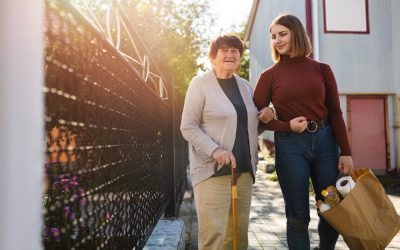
x=219 y=121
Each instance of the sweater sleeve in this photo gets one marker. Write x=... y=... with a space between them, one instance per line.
x=192 y=115
x=262 y=98
x=335 y=116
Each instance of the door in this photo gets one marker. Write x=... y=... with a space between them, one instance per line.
x=368 y=133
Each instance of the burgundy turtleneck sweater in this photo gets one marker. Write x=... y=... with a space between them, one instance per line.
x=302 y=87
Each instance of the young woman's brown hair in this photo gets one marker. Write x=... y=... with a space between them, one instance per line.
x=301 y=45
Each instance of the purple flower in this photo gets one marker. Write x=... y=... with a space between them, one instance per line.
x=64 y=181
x=46 y=233
x=71 y=216
x=81 y=191
x=82 y=202
x=73 y=183
x=66 y=210
x=55 y=232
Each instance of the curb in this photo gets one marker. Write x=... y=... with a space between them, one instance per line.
x=167 y=235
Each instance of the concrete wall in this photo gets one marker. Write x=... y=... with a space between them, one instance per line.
x=21 y=123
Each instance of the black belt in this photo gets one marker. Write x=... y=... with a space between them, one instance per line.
x=313 y=126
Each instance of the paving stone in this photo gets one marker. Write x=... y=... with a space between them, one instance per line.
x=267 y=229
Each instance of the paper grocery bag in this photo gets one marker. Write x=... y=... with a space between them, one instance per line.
x=365 y=218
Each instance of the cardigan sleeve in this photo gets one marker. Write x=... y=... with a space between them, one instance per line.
x=192 y=117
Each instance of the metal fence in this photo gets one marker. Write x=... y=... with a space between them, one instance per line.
x=115 y=159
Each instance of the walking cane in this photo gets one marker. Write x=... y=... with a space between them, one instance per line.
x=234 y=207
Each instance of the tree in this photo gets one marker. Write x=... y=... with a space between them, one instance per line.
x=244 y=70
x=245 y=65
x=173 y=32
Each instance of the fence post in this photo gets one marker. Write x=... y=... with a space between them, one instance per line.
x=171 y=208
x=21 y=123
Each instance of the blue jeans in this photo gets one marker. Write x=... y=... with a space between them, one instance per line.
x=300 y=156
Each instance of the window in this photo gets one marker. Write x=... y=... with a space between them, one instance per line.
x=346 y=16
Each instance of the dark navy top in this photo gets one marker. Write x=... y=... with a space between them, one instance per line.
x=241 y=148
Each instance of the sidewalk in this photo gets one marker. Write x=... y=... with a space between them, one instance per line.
x=267 y=219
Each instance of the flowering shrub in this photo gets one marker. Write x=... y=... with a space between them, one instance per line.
x=63 y=207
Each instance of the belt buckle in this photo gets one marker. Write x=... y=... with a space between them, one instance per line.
x=314 y=125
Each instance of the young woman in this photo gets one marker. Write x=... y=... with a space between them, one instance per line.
x=308 y=128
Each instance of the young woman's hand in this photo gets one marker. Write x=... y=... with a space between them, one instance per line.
x=346 y=164
x=266 y=114
x=224 y=157
x=298 y=124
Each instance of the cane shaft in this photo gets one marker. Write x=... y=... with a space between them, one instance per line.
x=234 y=209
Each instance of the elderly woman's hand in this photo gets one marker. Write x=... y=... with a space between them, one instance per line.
x=266 y=114
x=224 y=157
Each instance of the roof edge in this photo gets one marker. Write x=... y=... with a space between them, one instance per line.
x=250 y=21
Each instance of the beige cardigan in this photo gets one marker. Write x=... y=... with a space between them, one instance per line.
x=209 y=120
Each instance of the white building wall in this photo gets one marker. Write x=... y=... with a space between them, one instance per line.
x=260 y=53
x=394 y=13
x=395 y=8
x=368 y=63
x=362 y=63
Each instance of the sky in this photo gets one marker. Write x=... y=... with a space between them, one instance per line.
x=228 y=13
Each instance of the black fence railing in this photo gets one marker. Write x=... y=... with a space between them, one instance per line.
x=115 y=160
x=180 y=159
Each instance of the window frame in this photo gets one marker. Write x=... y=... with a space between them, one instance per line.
x=366 y=31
